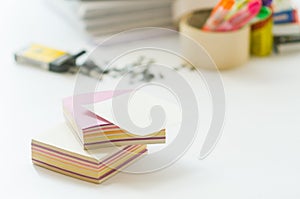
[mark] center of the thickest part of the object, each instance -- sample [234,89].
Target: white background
[257,157]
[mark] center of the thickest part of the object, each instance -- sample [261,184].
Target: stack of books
[98,18]
[92,148]
[286,27]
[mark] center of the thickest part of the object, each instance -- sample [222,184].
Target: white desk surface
[257,157]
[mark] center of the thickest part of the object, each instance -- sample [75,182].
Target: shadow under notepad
[180,172]
[45,173]
[142,181]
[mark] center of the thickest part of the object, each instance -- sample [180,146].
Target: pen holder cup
[226,49]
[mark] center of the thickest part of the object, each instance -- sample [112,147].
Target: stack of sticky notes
[97,132]
[58,150]
[92,145]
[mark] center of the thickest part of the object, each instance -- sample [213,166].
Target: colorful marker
[242,17]
[239,5]
[218,14]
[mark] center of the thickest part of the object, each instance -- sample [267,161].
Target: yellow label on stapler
[48,58]
[42,53]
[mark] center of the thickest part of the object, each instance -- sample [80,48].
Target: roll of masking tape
[226,49]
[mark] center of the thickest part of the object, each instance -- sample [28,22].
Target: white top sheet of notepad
[139,106]
[62,137]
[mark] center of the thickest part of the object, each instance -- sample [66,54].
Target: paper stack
[96,132]
[103,17]
[60,151]
[93,148]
